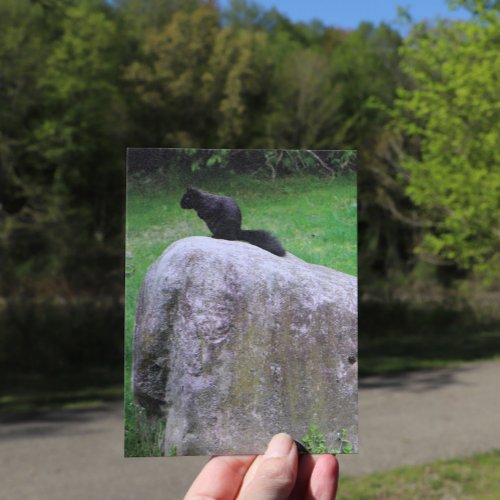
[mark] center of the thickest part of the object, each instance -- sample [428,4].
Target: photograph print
[241,301]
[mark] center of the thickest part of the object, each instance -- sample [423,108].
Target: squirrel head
[190,197]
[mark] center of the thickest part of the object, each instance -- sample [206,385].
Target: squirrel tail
[263,239]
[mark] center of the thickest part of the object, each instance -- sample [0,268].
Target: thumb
[275,473]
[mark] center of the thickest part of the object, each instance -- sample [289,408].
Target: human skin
[278,474]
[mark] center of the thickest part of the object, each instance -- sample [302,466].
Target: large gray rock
[233,344]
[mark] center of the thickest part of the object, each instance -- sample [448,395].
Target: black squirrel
[222,215]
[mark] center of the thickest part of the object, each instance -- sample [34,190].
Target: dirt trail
[404,420]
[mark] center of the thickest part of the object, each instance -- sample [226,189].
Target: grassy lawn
[49,398]
[34,394]
[399,337]
[315,219]
[472,478]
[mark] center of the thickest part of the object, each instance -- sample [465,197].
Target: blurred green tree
[22,52]
[201,82]
[141,16]
[366,70]
[366,66]
[451,111]
[62,128]
[62,137]
[25,247]
[83,128]
[303,101]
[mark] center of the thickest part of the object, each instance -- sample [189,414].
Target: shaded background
[81,81]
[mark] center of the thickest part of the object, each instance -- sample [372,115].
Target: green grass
[400,337]
[475,477]
[85,390]
[315,219]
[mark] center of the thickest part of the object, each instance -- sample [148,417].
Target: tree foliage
[61,146]
[81,81]
[204,77]
[451,110]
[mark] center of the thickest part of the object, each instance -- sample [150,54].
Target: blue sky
[349,13]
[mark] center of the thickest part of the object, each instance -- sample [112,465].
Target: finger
[251,472]
[221,478]
[276,472]
[306,466]
[324,479]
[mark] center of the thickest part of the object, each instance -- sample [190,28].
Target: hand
[278,474]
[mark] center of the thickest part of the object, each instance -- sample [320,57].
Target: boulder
[233,344]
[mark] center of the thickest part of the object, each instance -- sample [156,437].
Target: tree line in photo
[82,80]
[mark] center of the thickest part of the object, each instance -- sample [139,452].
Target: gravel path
[404,420]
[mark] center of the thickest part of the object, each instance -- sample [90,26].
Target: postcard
[241,301]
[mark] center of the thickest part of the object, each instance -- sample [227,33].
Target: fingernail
[279,446]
